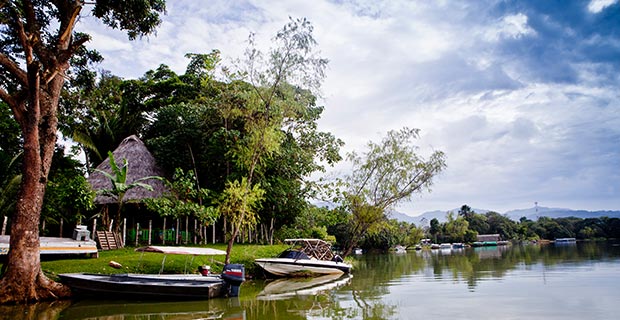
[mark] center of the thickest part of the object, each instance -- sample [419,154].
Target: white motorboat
[306,257]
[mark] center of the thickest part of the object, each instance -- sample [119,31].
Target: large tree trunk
[24,280]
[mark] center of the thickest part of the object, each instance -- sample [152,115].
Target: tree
[388,173]
[466,212]
[281,86]
[37,43]
[456,228]
[502,225]
[435,229]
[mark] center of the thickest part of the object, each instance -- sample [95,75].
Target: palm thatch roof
[140,162]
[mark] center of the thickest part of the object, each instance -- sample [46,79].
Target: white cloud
[511,26]
[510,138]
[596,6]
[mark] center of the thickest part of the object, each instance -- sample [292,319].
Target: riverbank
[137,262]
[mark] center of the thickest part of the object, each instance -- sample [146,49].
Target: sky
[522,96]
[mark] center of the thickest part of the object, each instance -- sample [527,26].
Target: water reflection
[226,309]
[437,284]
[286,288]
[38,311]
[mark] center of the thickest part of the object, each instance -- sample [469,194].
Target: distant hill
[535,213]
[426,217]
[532,213]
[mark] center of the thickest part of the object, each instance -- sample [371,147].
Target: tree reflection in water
[383,286]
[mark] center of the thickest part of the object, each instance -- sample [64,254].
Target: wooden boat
[306,257]
[161,286]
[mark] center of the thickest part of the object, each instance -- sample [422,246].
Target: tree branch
[14,69]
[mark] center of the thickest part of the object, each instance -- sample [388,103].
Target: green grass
[138,262]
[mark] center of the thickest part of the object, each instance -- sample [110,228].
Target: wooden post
[94,229]
[195,230]
[62,221]
[111,224]
[124,231]
[204,239]
[163,241]
[186,230]
[6,219]
[150,230]
[42,227]
[137,231]
[176,238]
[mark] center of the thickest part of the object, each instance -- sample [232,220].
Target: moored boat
[161,286]
[306,257]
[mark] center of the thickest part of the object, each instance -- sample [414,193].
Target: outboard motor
[233,275]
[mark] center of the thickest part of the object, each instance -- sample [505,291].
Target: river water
[573,281]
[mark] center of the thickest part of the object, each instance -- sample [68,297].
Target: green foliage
[184,199]
[137,17]
[68,194]
[388,173]
[10,144]
[455,229]
[313,222]
[239,203]
[10,157]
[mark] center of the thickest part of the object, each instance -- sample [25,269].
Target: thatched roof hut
[141,163]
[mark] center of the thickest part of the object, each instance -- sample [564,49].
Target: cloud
[520,95]
[596,6]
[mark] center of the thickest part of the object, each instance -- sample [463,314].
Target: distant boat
[161,286]
[400,249]
[458,245]
[435,246]
[565,241]
[445,246]
[306,257]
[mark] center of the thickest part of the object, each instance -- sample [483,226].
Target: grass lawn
[147,262]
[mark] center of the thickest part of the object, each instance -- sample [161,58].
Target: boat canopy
[315,248]
[183,250]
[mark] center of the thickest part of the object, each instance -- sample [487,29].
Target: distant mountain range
[531,213]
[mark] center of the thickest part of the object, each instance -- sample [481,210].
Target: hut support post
[94,229]
[186,239]
[163,241]
[124,231]
[176,238]
[6,219]
[137,231]
[111,224]
[150,230]
[271,233]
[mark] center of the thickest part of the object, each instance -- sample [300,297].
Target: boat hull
[290,267]
[141,286]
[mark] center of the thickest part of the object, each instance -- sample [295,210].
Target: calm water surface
[579,281]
